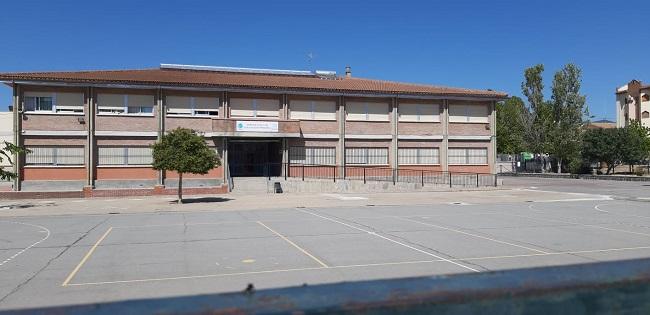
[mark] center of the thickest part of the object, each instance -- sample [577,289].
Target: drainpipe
[17,132]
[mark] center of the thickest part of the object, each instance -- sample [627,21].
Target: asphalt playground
[85,257]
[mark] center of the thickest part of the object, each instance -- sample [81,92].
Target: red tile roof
[233,80]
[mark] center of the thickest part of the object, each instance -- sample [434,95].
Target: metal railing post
[286,170]
[303,172]
[334,173]
[495,180]
[422,175]
[476,179]
[449,179]
[394,172]
[364,175]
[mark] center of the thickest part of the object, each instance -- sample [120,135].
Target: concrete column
[91,146]
[394,133]
[285,106]
[444,119]
[493,136]
[223,112]
[340,156]
[162,112]
[18,162]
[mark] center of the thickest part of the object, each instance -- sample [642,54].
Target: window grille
[124,156]
[368,156]
[415,156]
[55,156]
[312,155]
[468,156]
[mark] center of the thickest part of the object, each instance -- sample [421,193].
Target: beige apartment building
[633,102]
[93,129]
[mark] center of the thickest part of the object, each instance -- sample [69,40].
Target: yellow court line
[294,245]
[352,266]
[83,260]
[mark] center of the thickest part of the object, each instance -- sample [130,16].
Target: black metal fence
[366,174]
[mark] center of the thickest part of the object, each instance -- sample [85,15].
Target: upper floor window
[117,104]
[369,111]
[471,113]
[419,112]
[259,108]
[312,110]
[192,106]
[45,102]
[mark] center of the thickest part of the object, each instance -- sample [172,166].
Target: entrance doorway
[254,158]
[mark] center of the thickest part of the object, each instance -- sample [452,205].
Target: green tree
[6,152]
[183,151]
[511,126]
[535,122]
[635,143]
[567,110]
[602,145]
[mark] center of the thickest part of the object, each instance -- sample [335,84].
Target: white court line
[30,246]
[474,235]
[294,245]
[390,240]
[353,266]
[597,207]
[574,223]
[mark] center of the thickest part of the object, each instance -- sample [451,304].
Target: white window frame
[125,156]
[62,110]
[419,156]
[194,112]
[467,156]
[466,117]
[124,109]
[366,112]
[312,111]
[419,113]
[309,156]
[55,156]
[254,109]
[366,156]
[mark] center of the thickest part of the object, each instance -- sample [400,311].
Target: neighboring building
[601,124]
[6,132]
[633,102]
[94,128]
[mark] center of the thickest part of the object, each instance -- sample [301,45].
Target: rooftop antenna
[310,59]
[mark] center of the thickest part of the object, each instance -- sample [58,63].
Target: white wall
[6,130]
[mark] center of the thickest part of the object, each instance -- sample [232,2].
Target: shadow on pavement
[203,200]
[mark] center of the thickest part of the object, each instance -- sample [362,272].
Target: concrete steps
[250,185]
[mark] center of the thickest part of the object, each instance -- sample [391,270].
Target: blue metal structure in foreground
[614,287]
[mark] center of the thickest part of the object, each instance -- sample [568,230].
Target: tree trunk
[559,165]
[180,187]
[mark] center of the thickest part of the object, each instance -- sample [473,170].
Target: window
[471,156]
[468,113]
[414,156]
[124,156]
[117,104]
[246,107]
[54,102]
[645,115]
[369,156]
[419,112]
[192,106]
[317,110]
[312,155]
[55,156]
[367,111]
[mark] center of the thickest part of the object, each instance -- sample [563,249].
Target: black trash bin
[277,188]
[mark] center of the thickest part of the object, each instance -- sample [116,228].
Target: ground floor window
[124,156]
[470,156]
[41,155]
[413,156]
[312,155]
[368,156]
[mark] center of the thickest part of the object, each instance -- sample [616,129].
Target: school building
[91,130]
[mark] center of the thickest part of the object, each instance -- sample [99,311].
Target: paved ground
[57,252]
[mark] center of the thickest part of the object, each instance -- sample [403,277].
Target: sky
[472,44]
